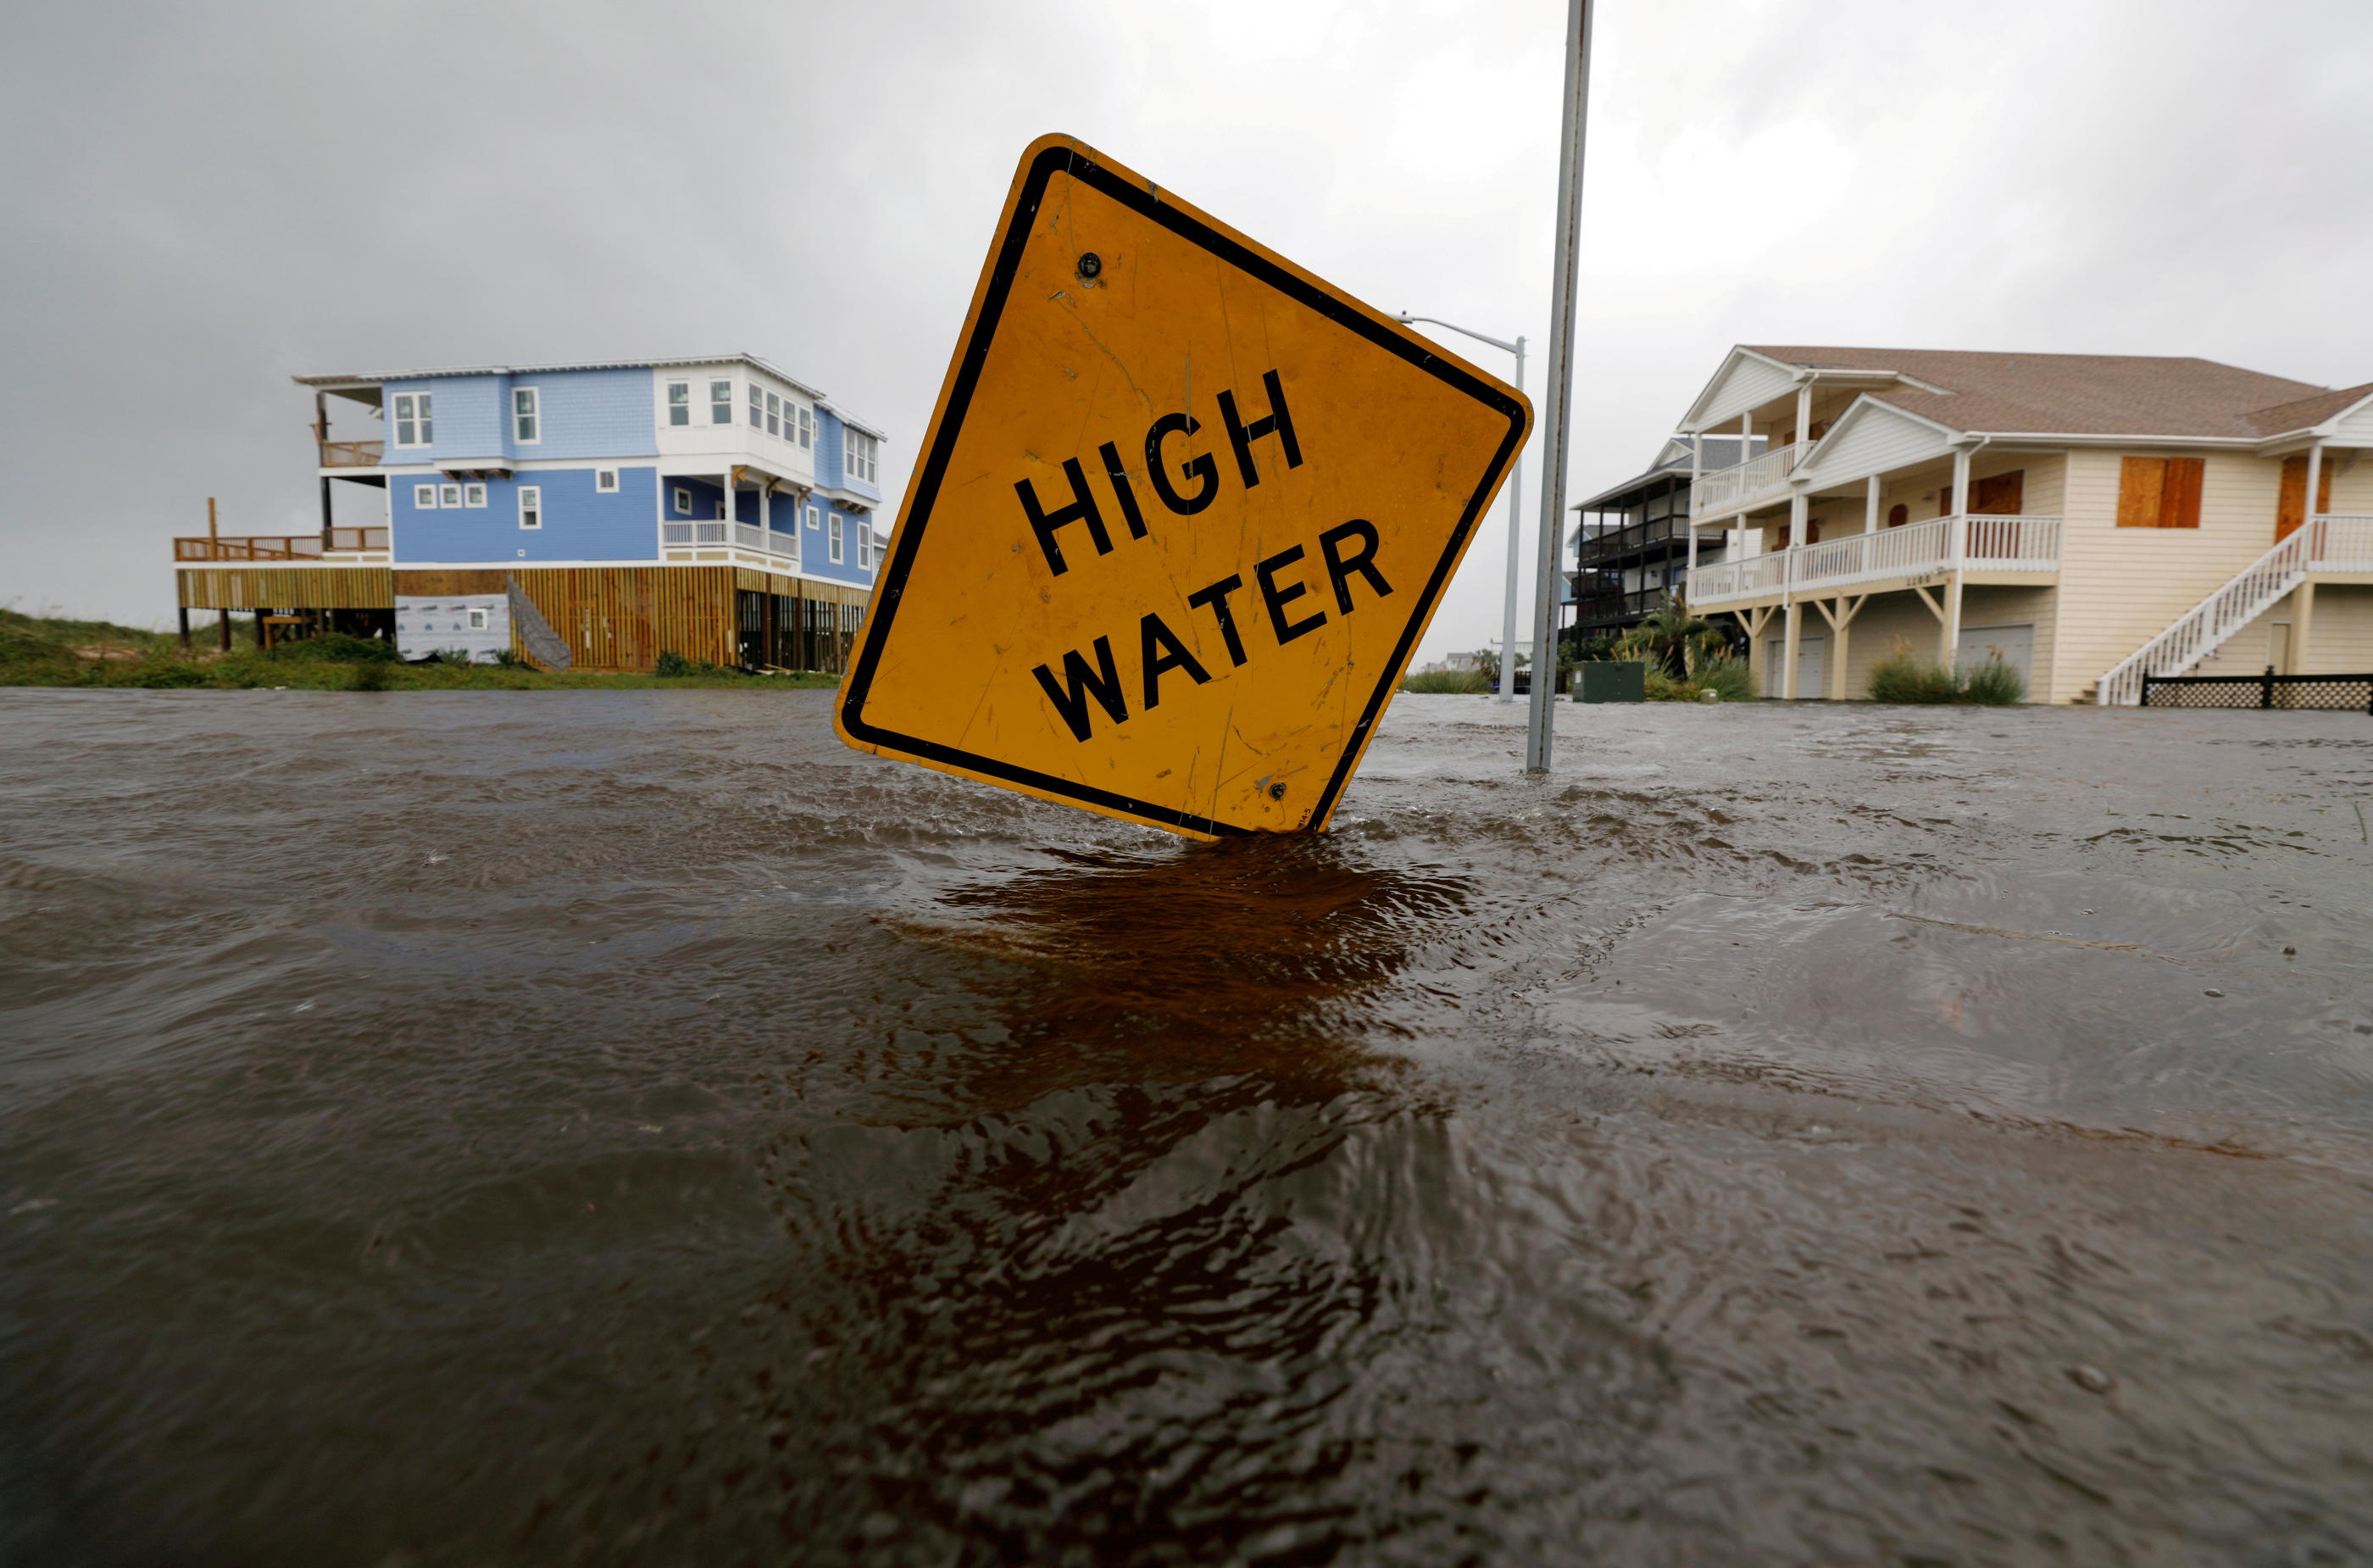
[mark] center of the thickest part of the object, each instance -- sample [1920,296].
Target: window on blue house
[774,415]
[837,530]
[413,425]
[861,450]
[474,494]
[679,403]
[449,496]
[605,480]
[683,498]
[815,516]
[531,506]
[864,544]
[523,415]
[424,498]
[807,427]
[721,402]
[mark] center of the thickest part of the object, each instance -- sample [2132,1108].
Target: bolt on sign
[1182,514]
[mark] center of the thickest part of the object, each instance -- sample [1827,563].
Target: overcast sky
[203,200]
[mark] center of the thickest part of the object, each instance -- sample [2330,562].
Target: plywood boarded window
[1999,494]
[2160,492]
[1898,515]
[2290,507]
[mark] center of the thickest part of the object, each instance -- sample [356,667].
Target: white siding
[1873,438]
[2357,429]
[2120,586]
[1746,382]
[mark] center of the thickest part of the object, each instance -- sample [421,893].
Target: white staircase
[2250,592]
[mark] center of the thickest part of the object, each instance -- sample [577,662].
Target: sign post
[1540,732]
[1182,514]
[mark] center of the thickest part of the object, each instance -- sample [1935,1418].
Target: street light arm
[1515,348]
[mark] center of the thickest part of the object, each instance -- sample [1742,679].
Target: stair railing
[2201,629]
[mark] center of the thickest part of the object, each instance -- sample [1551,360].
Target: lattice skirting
[2258,691]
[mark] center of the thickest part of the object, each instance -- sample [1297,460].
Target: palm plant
[1670,635]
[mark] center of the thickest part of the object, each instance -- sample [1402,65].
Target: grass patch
[39,651]
[1467,682]
[1907,677]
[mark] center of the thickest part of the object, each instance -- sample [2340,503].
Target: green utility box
[1600,680]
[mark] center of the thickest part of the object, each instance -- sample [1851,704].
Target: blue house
[593,515]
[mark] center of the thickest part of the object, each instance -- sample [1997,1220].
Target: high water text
[1346,552]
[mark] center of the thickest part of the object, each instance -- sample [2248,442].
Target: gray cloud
[203,199]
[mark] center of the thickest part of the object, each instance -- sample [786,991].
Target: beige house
[2088,517]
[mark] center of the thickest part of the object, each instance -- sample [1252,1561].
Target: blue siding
[468,418]
[584,413]
[815,547]
[581,523]
[704,496]
[591,414]
[829,431]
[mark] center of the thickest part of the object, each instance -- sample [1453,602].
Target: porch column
[2308,507]
[1788,633]
[1960,485]
[1693,547]
[1839,624]
[1870,505]
[2302,612]
[1805,412]
[1800,510]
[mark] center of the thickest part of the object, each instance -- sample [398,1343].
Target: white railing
[772,540]
[2246,595]
[1988,544]
[694,533]
[1733,486]
[2342,544]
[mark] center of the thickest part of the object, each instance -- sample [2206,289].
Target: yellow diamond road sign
[1182,514]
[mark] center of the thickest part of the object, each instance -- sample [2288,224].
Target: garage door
[1812,666]
[2015,645]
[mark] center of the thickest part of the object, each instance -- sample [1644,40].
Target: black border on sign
[925,492]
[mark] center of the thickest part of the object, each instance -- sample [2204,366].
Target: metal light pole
[1538,736]
[1515,507]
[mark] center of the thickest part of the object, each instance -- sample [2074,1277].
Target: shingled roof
[2083,394]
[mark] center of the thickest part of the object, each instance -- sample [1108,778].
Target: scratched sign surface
[1183,512]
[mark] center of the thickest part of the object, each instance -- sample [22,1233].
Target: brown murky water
[628,1128]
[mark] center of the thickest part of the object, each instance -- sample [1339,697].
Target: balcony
[768,540]
[1592,549]
[1729,489]
[1596,610]
[345,546]
[1965,544]
[353,455]
[2341,542]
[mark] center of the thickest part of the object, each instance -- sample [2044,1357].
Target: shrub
[1460,681]
[341,648]
[671,662]
[165,670]
[1907,677]
[1662,687]
[1997,682]
[370,675]
[1729,676]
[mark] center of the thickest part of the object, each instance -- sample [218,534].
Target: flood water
[629,1128]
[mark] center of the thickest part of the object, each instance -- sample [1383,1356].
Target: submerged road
[630,1127]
